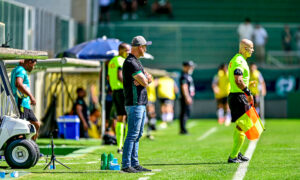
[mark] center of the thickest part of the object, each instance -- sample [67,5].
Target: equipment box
[68,127]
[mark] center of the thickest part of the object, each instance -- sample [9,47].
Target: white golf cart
[15,133]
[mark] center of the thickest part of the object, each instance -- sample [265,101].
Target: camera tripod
[53,158]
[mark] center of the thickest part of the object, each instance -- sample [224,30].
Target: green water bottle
[103,161]
[109,160]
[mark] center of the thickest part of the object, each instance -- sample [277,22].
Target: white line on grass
[242,169]
[191,124]
[207,133]
[156,170]
[149,174]
[144,178]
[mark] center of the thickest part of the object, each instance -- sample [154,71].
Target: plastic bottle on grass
[109,160]
[14,174]
[2,174]
[115,161]
[103,161]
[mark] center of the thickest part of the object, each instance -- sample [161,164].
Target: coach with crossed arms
[135,81]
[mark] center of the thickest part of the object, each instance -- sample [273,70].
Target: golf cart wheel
[37,149]
[20,154]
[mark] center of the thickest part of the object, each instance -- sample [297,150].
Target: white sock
[169,117]
[153,121]
[164,117]
[220,113]
[228,117]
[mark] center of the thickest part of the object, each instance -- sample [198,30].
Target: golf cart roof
[56,63]
[9,53]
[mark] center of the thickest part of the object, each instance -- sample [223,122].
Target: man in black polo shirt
[135,81]
[81,109]
[187,92]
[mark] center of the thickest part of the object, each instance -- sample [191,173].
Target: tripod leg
[48,164]
[62,164]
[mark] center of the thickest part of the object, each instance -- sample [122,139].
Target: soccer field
[201,155]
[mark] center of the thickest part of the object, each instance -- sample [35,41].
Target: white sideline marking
[242,169]
[207,133]
[144,178]
[156,170]
[191,124]
[149,174]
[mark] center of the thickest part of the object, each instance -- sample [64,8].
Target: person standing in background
[115,77]
[151,114]
[245,29]
[166,91]
[260,37]
[104,6]
[81,110]
[298,41]
[257,86]
[187,93]
[221,87]
[286,37]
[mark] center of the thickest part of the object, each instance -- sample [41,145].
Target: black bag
[109,140]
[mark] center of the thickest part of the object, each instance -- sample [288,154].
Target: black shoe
[235,160]
[120,151]
[150,137]
[130,170]
[242,157]
[184,132]
[141,168]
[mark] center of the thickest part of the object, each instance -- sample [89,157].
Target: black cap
[189,63]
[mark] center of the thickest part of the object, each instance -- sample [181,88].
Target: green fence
[223,10]
[174,42]
[13,17]
[36,29]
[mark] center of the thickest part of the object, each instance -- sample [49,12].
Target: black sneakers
[242,157]
[130,170]
[141,168]
[235,160]
[120,151]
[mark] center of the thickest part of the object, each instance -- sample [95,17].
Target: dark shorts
[222,100]
[28,115]
[119,101]
[238,105]
[166,101]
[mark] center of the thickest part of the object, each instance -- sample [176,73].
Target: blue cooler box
[68,127]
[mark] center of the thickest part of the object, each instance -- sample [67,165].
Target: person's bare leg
[37,127]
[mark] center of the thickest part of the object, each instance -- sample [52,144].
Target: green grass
[277,155]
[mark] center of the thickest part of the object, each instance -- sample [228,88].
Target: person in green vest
[116,83]
[240,97]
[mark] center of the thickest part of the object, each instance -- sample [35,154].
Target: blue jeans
[136,116]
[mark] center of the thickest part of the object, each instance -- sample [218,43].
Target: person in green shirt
[240,97]
[116,83]
[20,85]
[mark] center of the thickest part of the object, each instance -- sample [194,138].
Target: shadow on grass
[187,164]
